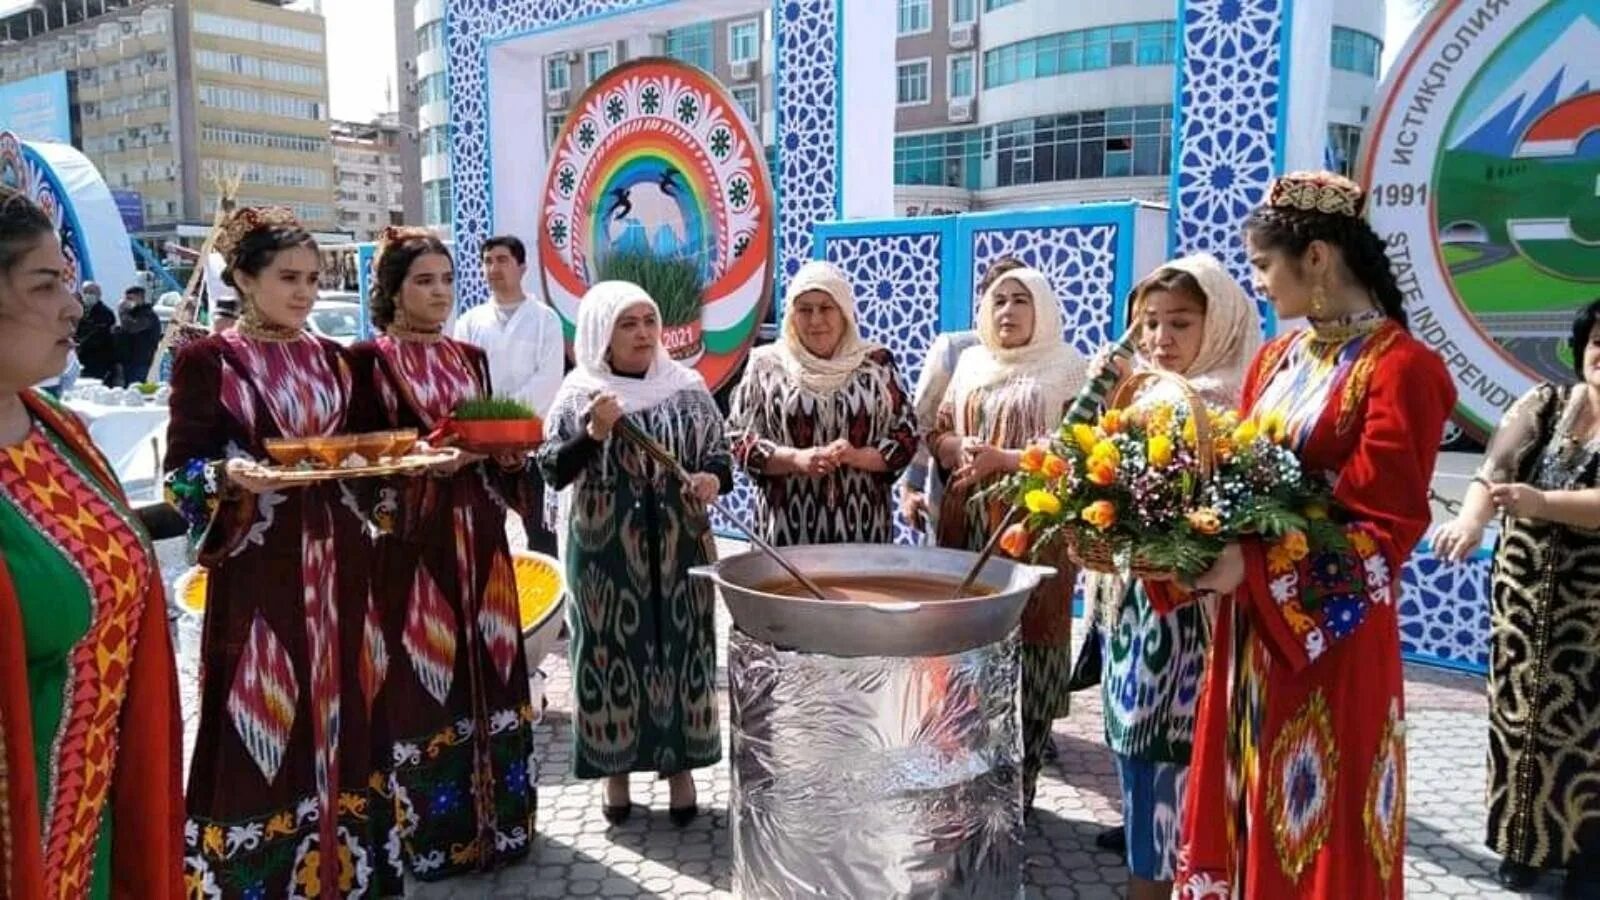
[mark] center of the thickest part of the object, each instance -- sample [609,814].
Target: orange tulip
[1102,471]
[1111,422]
[1032,459]
[1054,466]
[1205,521]
[1014,542]
[1102,514]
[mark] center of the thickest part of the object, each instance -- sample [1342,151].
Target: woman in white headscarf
[1192,319]
[821,421]
[642,650]
[1008,392]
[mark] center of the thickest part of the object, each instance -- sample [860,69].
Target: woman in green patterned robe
[643,649]
[1542,474]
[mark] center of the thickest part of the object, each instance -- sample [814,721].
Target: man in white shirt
[526,349]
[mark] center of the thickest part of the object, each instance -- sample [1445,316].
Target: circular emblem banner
[22,171]
[657,178]
[1483,163]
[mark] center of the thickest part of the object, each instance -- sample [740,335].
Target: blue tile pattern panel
[1231,104]
[1444,610]
[1079,260]
[807,90]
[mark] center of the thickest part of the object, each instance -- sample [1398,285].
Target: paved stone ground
[577,854]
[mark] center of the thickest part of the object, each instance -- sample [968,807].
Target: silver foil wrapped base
[875,777]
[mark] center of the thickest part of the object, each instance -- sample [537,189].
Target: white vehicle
[337,320]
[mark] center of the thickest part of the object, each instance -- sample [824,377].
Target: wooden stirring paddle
[662,455]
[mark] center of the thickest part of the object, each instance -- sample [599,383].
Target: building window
[744,41]
[260,102]
[1354,51]
[430,36]
[597,63]
[963,12]
[963,69]
[749,100]
[552,128]
[1141,44]
[436,202]
[557,74]
[1344,142]
[246,30]
[915,17]
[1111,143]
[433,89]
[992,5]
[911,83]
[691,45]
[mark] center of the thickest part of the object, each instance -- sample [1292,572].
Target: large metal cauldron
[911,626]
[876,747]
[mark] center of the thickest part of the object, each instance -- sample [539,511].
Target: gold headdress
[1322,192]
[247,219]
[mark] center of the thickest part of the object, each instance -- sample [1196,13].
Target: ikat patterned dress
[457,701]
[1297,783]
[1544,677]
[643,650]
[287,793]
[771,410]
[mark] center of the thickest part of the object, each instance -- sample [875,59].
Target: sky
[361,51]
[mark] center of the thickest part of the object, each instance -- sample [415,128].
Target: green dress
[55,606]
[643,647]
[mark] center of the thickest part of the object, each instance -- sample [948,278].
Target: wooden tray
[283,476]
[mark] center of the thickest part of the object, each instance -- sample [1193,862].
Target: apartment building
[167,96]
[1007,103]
[368,175]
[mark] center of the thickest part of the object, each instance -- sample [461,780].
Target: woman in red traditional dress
[284,796]
[90,801]
[457,697]
[1297,786]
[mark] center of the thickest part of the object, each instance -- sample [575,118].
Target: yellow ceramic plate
[538,589]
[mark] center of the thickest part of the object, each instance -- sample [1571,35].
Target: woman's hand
[914,508]
[1521,500]
[246,475]
[1456,540]
[511,461]
[602,414]
[983,462]
[1225,575]
[458,459]
[816,462]
[703,487]
[863,459]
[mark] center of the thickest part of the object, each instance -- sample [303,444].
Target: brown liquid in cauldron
[876,588]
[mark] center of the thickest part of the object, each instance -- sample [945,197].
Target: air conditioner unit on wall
[960,110]
[961,36]
[743,70]
[556,99]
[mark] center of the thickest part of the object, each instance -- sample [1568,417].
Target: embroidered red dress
[89,727]
[457,703]
[292,654]
[1298,780]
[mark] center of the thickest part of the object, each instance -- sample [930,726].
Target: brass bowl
[401,440]
[332,451]
[288,451]
[374,445]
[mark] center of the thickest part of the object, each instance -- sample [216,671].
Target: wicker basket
[1098,554]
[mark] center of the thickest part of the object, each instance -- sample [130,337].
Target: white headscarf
[817,374]
[598,312]
[1057,370]
[1232,331]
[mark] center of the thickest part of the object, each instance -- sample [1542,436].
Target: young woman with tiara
[285,798]
[1297,783]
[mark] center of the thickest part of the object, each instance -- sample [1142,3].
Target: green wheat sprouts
[493,409]
[673,281]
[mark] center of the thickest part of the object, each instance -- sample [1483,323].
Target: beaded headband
[1322,192]
[241,223]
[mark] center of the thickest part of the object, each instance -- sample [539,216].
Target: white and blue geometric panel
[806,85]
[1444,610]
[1231,58]
[1081,262]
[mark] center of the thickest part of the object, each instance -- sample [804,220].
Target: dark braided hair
[398,249]
[22,224]
[1292,230]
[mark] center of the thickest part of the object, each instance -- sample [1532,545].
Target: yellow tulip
[1246,433]
[1085,436]
[1159,449]
[1042,503]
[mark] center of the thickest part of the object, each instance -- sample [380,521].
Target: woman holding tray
[822,422]
[1297,785]
[643,650]
[1008,392]
[284,797]
[456,698]
[1192,319]
[90,749]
